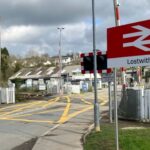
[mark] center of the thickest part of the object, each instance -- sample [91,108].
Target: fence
[52,89]
[135,104]
[67,89]
[7,95]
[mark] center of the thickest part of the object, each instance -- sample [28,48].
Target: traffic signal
[88,62]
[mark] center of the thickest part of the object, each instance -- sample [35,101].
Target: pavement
[52,124]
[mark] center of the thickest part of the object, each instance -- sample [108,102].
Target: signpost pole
[117,21]
[96,104]
[0,52]
[110,102]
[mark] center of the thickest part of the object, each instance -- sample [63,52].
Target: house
[47,63]
[36,77]
[42,78]
[66,60]
[74,75]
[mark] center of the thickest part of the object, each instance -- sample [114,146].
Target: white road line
[50,130]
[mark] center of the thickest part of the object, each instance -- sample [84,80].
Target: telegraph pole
[117,21]
[60,60]
[96,104]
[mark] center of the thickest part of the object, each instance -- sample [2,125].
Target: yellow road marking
[20,105]
[28,106]
[43,112]
[79,112]
[26,120]
[22,108]
[15,106]
[103,103]
[51,102]
[86,102]
[64,117]
[66,111]
[75,114]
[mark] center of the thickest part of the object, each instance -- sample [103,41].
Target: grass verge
[129,139]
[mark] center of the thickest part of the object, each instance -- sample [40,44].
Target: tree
[4,63]
[18,66]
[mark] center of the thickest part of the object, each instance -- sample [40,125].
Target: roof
[34,73]
[68,69]
[72,69]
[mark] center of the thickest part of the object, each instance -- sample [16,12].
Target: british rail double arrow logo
[142,41]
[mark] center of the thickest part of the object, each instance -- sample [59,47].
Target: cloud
[33,24]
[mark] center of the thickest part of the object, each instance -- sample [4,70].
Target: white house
[66,60]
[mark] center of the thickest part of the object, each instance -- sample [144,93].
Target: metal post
[110,102]
[60,61]
[117,21]
[124,78]
[96,104]
[0,52]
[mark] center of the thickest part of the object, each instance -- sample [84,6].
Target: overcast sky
[32,25]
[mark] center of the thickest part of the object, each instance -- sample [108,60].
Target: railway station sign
[129,45]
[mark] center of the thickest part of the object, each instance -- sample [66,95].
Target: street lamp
[60,59]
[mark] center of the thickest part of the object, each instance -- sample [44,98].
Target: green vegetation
[135,139]
[8,67]
[10,64]
[4,63]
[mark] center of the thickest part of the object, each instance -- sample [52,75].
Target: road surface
[57,123]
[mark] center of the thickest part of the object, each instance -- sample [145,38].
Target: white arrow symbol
[140,42]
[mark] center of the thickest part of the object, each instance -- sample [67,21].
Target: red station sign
[129,45]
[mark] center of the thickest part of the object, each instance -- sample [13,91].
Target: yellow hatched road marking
[86,102]
[51,102]
[29,105]
[66,111]
[26,120]
[43,112]
[19,109]
[103,103]
[15,106]
[64,117]
[34,104]
[75,114]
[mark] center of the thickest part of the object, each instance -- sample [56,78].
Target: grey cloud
[42,12]
[56,12]
[47,15]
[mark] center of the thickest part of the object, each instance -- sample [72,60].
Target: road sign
[129,45]
[85,87]
[87,63]
[107,77]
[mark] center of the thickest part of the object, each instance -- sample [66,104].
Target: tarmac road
[58,123]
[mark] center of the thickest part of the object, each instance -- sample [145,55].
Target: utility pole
[60,60]
[117,21]
[96,104]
